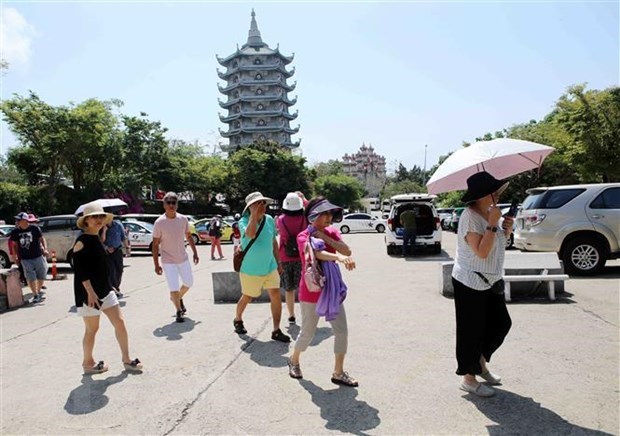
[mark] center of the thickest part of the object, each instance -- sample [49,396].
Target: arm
[276,254]
[340,246]
[92,299]
[257,211]
[347,261]
[156,242]
[44,246]
[190,241]
[483,244]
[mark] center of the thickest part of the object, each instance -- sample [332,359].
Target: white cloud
[16,37]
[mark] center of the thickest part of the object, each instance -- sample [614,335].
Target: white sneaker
[478,389]
[491,378]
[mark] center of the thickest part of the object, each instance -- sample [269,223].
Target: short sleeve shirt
[171,232]
[259,260]
[467,261]
[28,241]
[304,294]
[295,225]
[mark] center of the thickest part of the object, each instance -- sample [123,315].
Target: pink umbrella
[503,158]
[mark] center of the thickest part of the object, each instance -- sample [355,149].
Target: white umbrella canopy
[502,158]
[110,205]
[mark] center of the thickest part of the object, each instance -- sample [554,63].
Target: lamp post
[424,176]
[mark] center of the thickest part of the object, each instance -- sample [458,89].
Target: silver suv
[579,222]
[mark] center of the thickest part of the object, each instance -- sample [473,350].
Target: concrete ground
[560,362]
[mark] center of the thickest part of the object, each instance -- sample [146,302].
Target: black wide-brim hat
[482,184]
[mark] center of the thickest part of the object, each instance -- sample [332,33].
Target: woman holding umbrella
[482,320]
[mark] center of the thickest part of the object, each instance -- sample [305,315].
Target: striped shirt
[467,262]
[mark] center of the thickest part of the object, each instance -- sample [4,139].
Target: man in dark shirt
[30,252]
[114,239]
[407,219]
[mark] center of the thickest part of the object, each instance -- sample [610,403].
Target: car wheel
[436,249]
[196,239]
[381,228]
[391,249]
[344,229]
[5,262]
[583,256]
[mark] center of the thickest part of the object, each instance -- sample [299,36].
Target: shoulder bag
[239,253]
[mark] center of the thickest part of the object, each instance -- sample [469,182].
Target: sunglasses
[171,203]
[99,216]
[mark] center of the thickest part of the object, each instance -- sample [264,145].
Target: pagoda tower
[256,91]
[368,167]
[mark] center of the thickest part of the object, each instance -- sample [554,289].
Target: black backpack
[290,248]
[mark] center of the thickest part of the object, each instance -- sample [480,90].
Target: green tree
[330,168]
[345,191]
[395,187]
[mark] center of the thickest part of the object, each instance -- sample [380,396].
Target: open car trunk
[425,221]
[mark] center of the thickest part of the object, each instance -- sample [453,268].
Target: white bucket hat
[93,208]
[253,198]
[292,202]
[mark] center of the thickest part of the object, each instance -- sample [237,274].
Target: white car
[361,222]
[427,222]
[140,234]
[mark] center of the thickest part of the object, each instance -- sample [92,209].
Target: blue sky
[398,75]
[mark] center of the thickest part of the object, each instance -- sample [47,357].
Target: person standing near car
[170,232]
[289,225]
[408,220]
[114,239]
[215,234]
[482,320]
[261,266]
[30,250]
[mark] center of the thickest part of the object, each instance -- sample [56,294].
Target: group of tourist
[307,245]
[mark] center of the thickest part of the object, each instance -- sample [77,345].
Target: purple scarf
[335,291]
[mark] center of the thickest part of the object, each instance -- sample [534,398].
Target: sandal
[134,365]
[294,370]
[97,369]
[344,379]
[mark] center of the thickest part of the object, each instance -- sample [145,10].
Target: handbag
[497,287]
[290,248]
[313,274]
[240,254]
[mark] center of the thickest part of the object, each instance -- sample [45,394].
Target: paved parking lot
[560,362]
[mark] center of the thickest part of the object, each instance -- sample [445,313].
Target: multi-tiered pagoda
[256,91]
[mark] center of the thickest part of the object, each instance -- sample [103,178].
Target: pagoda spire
[254,38]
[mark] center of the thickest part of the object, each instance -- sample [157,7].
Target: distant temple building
[368,167]
[256,91]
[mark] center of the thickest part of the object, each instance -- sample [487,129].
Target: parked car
[579,222]
[140,234]
[454,220]
[445,215]
[361,222]
[202,231]
[5,229]
[427,223]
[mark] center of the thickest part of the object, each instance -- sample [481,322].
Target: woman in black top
[92,291]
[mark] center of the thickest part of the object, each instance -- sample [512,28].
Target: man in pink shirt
[170,232]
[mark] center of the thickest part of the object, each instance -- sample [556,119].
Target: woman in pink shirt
[320,213]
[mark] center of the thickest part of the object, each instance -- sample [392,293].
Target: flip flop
[134,365]
[97,369]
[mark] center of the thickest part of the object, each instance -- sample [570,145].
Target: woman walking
[329,249]
[482,320]
[215,232]
[289,225]
[92,291]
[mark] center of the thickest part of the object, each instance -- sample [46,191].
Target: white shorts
[109,301]
[173,271]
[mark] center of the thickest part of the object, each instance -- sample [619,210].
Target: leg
[212,248]
[241,305]
[115,316]
[470,307]
[498,325]
[219,248]
[91,326]
[117,261]
[341,340]
[309,321]
[289,297]
[276,307]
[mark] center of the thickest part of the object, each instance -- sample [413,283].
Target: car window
[551,199]
[57,224]
[608,199]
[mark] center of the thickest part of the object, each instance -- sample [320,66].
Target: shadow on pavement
[341,410]
[174,331]
[271,354]
[90,395]
[515,414]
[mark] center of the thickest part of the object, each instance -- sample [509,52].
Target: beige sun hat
[93,208]
[252,198]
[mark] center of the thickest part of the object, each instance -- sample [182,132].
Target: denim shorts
[34,269]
